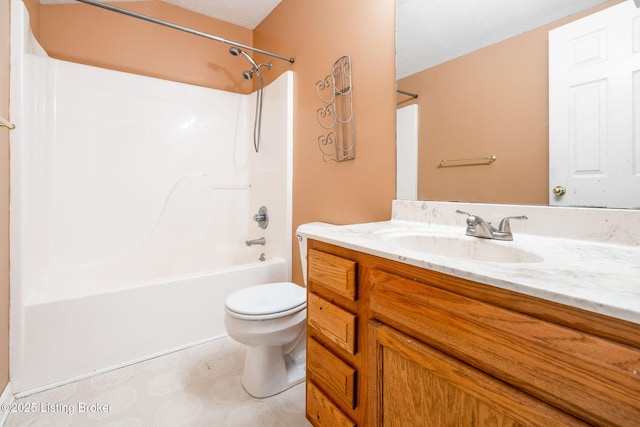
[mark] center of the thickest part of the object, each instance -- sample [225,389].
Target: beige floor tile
[198,386]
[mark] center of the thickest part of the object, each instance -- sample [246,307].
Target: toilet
[270,319]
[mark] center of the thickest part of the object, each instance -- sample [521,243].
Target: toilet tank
[302,243]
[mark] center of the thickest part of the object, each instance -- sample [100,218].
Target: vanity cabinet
[436,350]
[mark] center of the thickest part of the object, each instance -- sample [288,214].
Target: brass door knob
[559,190]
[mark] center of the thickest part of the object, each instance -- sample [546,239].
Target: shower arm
[181,28]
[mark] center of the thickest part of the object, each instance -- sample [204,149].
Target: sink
[464,247]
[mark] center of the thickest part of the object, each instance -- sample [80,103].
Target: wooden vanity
[397,345]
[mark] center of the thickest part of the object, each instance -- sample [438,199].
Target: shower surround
[132,198]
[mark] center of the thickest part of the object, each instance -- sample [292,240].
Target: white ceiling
[246,13]
[429,32]
[435,31]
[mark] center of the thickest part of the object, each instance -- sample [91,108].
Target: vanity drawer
[336,325]
[332,273]
[589,377]
[332,374]
[321,411]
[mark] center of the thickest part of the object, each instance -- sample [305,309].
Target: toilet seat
[268,301]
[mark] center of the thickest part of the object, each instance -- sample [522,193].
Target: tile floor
[198,386]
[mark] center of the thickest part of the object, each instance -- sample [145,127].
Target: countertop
[600,277]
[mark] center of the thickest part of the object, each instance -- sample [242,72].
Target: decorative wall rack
[335,115]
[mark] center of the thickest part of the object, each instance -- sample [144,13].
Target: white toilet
[270,320]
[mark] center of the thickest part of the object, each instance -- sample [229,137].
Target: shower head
[236,51]
[248,74]
[255,70]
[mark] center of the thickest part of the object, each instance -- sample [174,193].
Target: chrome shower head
[248,74]
[236,51]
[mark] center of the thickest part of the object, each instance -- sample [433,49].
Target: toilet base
[268,372]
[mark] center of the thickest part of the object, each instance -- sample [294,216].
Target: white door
[594,110]
[407,153]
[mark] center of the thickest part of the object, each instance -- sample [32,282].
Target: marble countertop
[595,276]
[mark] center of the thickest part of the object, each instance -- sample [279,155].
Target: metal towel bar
[472,161]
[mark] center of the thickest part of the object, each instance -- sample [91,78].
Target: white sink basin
[465,247]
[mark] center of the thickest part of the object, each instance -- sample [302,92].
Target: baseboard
[5,399]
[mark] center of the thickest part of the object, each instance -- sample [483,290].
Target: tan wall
[317,34]
[4,194]
[490,102]
[94,36]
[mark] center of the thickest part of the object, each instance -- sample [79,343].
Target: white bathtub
[69,337]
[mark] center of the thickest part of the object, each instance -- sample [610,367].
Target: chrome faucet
[260,241]
[478,227]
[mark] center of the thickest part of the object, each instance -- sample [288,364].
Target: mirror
[480,73]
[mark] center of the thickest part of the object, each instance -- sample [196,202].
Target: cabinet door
[415,385]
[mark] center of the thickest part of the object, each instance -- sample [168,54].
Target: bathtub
[81,333]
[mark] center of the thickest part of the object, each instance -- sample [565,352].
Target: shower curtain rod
[181,28]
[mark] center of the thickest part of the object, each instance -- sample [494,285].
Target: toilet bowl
[270,319]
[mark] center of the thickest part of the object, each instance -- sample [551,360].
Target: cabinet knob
[559,190]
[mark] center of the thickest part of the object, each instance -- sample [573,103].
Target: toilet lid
[267,299]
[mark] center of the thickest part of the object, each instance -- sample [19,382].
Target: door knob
[559,190]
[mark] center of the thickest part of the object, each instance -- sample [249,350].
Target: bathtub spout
[260,241]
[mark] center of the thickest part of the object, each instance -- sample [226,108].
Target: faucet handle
[504,226]
[478,227]
[470,217]
[262,217]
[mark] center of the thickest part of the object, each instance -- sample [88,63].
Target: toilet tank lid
[267,298]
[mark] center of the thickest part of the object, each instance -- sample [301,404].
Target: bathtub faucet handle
[262,218]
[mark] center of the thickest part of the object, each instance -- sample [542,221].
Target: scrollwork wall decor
[335,116]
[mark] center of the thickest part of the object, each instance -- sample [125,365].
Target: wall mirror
[480,71]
